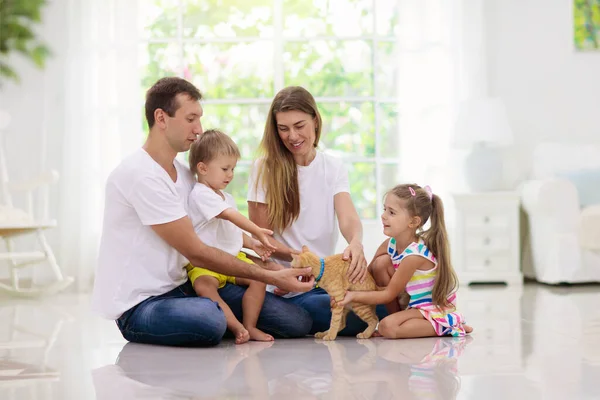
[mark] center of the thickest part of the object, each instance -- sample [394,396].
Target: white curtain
[441,61]
[102,122]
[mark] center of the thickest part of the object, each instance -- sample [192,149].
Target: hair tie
[412,191]
[428,191]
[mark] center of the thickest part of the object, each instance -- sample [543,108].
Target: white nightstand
[486,245]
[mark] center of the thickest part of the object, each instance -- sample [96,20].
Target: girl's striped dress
[419,287]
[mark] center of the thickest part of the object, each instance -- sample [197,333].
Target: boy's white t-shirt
[204,206]
[134,263]
[316,226]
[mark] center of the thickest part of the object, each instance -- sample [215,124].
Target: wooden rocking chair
[15,221]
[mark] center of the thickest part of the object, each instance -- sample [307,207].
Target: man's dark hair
[163,95]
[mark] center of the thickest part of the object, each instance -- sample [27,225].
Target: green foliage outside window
[227,48]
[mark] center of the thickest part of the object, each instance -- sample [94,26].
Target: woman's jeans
[181,318]
[317,303]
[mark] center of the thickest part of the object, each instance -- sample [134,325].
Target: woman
[301,193]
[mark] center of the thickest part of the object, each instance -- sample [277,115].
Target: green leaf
[39,55]
[17,20]
[8,72]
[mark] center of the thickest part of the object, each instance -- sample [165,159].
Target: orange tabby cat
[334,280]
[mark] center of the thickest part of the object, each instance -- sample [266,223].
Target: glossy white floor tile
[537,342]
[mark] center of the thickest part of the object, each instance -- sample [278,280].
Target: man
[147,236]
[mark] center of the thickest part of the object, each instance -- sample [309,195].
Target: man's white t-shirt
[316,226]
[134,263]
[204,206]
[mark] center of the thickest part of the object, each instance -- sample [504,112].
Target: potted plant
[17,21]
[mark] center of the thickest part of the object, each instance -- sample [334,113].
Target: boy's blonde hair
[211,144]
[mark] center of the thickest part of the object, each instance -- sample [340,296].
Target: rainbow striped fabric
[436,375]
[446,322]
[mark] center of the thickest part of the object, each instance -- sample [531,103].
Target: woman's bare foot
[259,336]
[241,334]
[468,328]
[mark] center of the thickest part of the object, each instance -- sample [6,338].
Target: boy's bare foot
[259,336]
[468,328]
[241,334]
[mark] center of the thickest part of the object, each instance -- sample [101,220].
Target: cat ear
[305,249]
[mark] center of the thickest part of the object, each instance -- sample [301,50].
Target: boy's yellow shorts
[195,272]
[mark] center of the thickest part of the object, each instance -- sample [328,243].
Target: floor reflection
[308,369]
[27,337]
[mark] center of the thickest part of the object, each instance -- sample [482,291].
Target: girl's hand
[358,264]
[348,298]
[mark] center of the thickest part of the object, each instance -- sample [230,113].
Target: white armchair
[557,244]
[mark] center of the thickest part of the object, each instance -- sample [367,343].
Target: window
[240,53]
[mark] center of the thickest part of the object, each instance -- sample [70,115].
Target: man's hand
[287,279]
[358,264]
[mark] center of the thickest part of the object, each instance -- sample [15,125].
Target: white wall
[552,93]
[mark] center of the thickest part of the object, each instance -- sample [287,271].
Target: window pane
[229,18]
[158,18]
[327,17]
[238,187]
[363,189]
[389,176]
[226,70]
[389,135]
[386,73]
[158,60]
[330,68]
[244,123]
[348,128]
[386,12]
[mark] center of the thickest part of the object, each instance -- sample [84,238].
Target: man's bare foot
[468,328]
[259,336]
[241,335]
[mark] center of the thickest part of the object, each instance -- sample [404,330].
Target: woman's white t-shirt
[134,263]
[204,206]
[316,226]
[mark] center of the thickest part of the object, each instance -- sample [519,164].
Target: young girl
[421,266]
[213,157]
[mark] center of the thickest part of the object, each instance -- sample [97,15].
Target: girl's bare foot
[241,334]
[259,336]
[468,328]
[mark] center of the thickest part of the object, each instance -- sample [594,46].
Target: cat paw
[363,335]
[320,335]
[329,337]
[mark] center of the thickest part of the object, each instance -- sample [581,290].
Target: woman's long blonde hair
[278,172]
[435,238]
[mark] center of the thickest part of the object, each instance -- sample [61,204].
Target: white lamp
[483,127]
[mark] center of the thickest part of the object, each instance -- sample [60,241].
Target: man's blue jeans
[181,318]
[317,303]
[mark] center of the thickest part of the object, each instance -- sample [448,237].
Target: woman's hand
[358,264]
